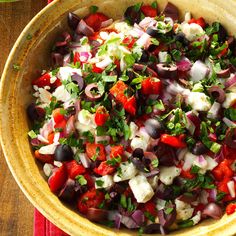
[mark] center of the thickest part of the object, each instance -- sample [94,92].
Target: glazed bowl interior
[34,55]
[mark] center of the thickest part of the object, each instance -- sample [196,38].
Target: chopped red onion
[35,142]
[129,222]
[147,22]
[85,56]
[77,107]
[144,41]
[212,137]
[169,20]
[229,123]
[91,96]
[201,161]
[198,71]
[118,221]
[108,149]
[224,73]
[138,217]
[104,63]
[184,64]
[102,138]
[56,138]
[213,210]
[106,23]
[213,113]
[152,173]
[203,198]
[83,28]
[84,160]
[66,59]
[70,126]
[230,82]
[47,129]
[181,153]
[212,194]
[190,126]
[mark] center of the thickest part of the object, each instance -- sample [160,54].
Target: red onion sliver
[229,123]
[106,23]
[184,64]
[230,82]
[84,160]
[129,222]
[138,217]
[198,71]
[212,194]
[102,138]
[70,126]
[213,210]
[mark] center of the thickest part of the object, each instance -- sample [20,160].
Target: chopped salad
[135,121]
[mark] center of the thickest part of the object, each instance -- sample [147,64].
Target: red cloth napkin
[43,227]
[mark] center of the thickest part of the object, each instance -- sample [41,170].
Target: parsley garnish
[81,180]
[99,182]
[93,9]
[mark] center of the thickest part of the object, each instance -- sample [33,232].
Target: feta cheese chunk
[192,31]
[133,130]
[61,94]
[127,171]
[48,149]
[167,174]
[105,181]
[231,188]
[141,189]
[199,101]
[184,210]
[85,117]
[44,95]
[229,100]
[65,72]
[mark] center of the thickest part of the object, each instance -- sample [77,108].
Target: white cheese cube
[85,117]
[106,182]
[192,31]
[65,72]
[167,174]
[44,95]
[48,149]
[184,210]
[199,101]
[229,100]
[127,171]
[139,143]
[61,94]
[141,189]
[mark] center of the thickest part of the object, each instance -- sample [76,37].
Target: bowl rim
[7,66]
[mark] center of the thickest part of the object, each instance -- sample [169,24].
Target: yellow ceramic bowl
[33,55]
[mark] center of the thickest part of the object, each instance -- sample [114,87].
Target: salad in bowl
[135,120]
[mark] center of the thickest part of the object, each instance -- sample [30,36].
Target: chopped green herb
[29,36]
[93,9]
[16,67]
[123,201]
[81,180]
[155,163]
[32,134]
[169,210]
[89,136]
[99,182]
[149,216]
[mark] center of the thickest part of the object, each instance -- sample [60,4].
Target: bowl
[31,55]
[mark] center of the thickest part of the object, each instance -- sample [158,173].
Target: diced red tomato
[95,20]
[151,208]
[174,141]
[231,208]
[118,91]
[104,169]
[61,125]
[129,41]
[223,52]
[148,10]
[57,115]
[117,151]
[97,69]
[44,80]
[45,158]
[223,170]
[101,116]
[200,21]
[76,57]
[151,86]
[57,179]
[92,198]
[187,174]
[74,169]
[130,106]
[90,181]
[96,150]
[229,153]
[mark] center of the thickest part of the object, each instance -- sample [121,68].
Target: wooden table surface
[16,212]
